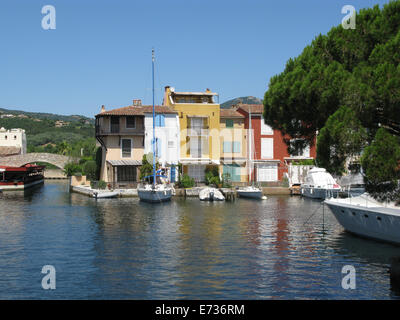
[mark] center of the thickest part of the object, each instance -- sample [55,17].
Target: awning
[201,161]
[239,161]
[118,163]
[265,161]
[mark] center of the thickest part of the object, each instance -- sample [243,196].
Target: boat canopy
[319,177]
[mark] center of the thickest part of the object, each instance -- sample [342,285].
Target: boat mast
[250,145]
[154,124]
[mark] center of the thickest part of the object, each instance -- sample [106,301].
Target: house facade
[122,135]
[233,146]
[271,159]
[12,142]
[167,133]
[199,116]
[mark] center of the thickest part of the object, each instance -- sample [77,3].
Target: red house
[269,151]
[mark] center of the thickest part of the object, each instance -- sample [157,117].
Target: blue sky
[100,52]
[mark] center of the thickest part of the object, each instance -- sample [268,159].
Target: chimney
[167,92]
[103,109]
[137,102]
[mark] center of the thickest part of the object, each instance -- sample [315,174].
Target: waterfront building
[270,154]
[199,117]
[12,142]
[233,137]
[121,134]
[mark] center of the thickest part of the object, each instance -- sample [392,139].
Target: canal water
[282,248]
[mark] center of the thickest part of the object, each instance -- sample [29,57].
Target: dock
[229,194]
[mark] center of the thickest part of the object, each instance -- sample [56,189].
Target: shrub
[72,169]
[186,182]
[89,169]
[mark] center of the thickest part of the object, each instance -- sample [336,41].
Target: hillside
[43,115]
[52,133]
[245,100]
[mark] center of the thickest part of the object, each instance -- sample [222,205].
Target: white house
[167,146]
[12,142]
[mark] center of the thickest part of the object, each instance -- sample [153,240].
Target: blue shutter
[236,147]
[160,120]
[227,147]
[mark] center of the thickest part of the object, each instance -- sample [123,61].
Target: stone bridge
[17,161]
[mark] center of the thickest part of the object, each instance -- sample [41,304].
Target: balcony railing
[197,132]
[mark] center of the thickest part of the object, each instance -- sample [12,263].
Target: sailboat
[250,191]
[154,192]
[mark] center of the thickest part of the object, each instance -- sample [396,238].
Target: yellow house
[233,145]
[199,117]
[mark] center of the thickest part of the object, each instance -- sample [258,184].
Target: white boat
[211,194]
[367,217]
[250,192]
[104,194]
[319,184]
[157,193]
[154,192]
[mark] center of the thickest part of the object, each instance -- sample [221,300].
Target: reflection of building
[121,133]
[12,142]
[198,115]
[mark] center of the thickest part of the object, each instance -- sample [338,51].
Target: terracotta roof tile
[255,108]
[230,113]
[136,111]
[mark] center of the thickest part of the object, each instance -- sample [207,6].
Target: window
[126,145]
[229,123]
[197,172]
[157,148]
[231,147]
[160,120]
[266,129]
[267,148]
[114,124]
[300,153]
[126,173]
[130,122]
[236,147]
[228,147]
[267,172]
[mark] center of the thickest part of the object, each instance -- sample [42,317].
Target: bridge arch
[19,160]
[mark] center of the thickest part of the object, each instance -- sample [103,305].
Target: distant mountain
[244,100]
[42,115]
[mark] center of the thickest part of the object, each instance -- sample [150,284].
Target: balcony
[197,132]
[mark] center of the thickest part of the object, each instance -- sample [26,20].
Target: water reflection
[186,249]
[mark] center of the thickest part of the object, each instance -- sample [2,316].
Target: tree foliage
[342,82]
[357,68]
[380,163]
[342,137]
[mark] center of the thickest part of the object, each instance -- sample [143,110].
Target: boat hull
[250,194]
[154,196]
[319,193]
[20,186]
[372,223]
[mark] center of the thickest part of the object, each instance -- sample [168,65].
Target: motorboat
[319,184]
[104,194]
[367,217]
[20,178]
[211,194]
[250,192]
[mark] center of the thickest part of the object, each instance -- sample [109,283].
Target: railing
[197,132]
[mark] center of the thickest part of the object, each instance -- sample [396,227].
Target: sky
[100,52]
